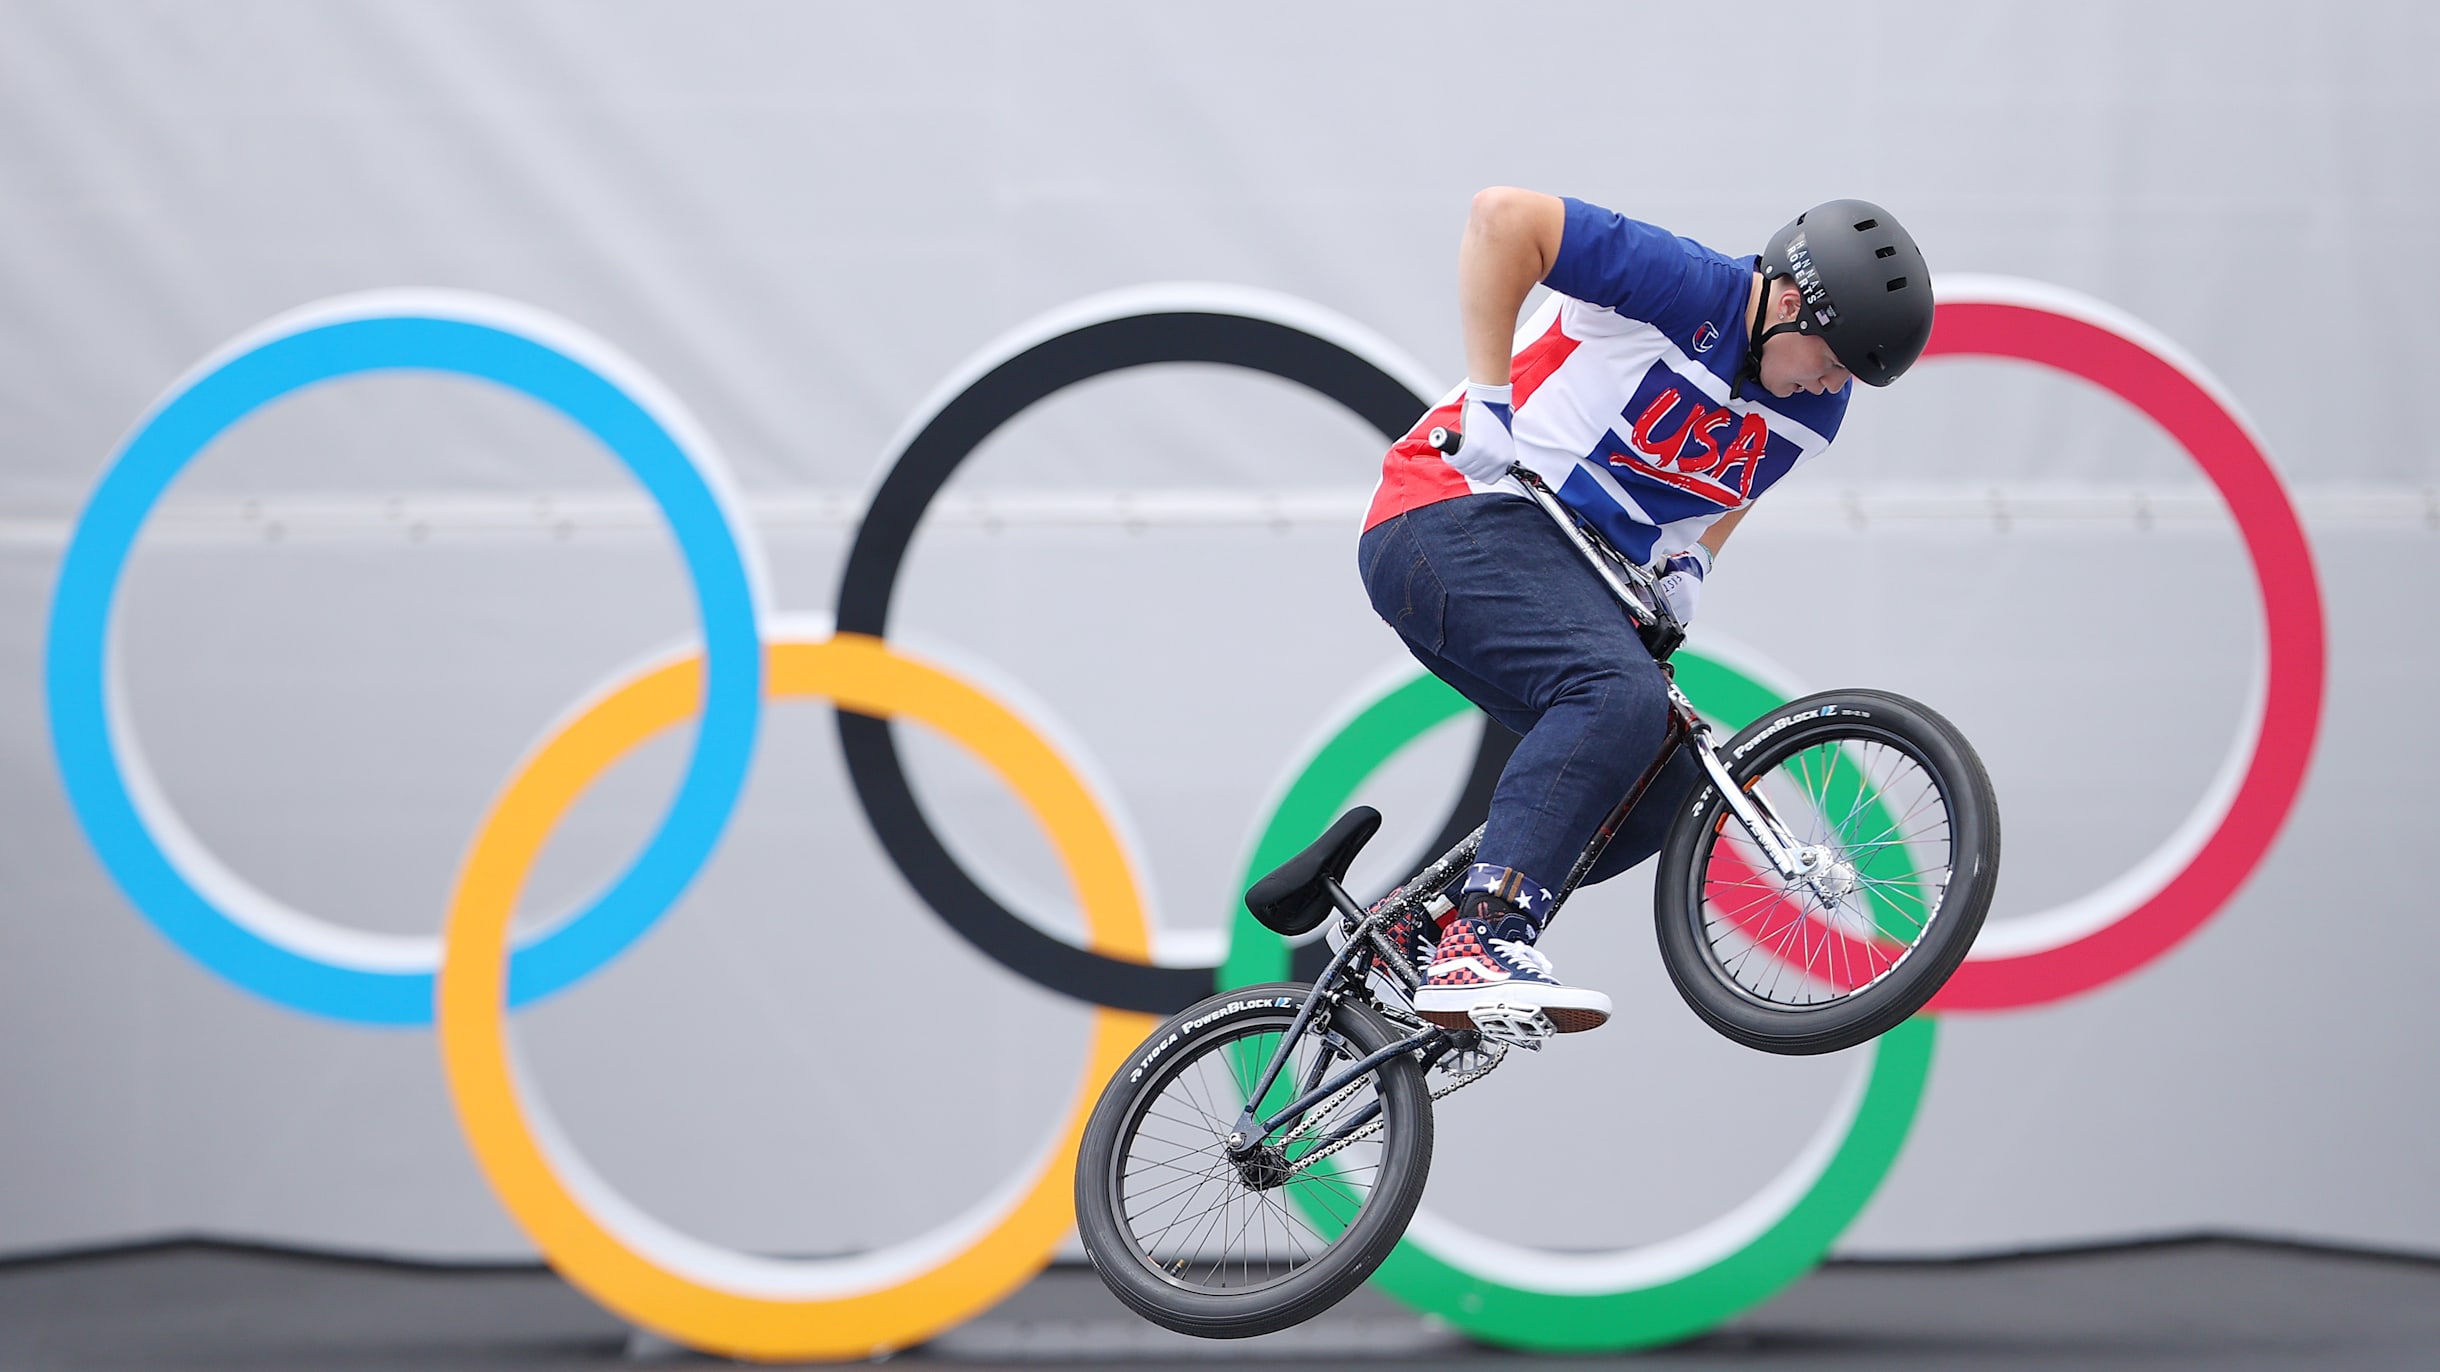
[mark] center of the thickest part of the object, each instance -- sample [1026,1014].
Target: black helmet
[1867,293]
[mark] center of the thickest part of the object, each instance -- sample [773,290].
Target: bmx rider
[1661,390]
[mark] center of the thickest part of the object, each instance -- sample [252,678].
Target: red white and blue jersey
[1624,398]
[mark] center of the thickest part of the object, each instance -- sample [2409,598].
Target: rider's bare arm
[1721,528]
[1512,238]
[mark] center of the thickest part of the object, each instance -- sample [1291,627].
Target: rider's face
[1794,362]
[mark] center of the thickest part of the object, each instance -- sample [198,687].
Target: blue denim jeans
[1493,599]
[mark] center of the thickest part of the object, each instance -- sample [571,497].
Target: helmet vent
[1897,283]
[1889,251]
[1872,359]
[1863,224]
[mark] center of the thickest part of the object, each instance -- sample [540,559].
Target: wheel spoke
[1876,834]
[1185,1206]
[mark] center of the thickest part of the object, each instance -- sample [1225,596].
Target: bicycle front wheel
[1898,833]
[1224,1246]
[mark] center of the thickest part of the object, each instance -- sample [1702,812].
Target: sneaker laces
[1525,954]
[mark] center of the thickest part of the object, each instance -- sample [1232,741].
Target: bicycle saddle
[1295,898]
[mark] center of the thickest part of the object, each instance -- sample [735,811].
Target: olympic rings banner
[748,652]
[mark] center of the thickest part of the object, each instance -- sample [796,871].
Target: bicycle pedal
[1525,1026]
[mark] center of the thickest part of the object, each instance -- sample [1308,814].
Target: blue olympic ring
[463,339]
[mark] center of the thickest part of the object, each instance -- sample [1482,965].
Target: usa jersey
[1624,399]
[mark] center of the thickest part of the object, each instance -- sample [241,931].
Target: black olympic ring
[919,471]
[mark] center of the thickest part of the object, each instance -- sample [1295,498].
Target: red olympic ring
[2197,872]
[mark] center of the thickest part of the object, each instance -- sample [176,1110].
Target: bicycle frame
[1638,593]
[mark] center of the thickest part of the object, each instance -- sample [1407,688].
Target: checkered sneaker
[1473,968]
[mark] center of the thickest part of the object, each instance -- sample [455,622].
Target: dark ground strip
[2206,1304]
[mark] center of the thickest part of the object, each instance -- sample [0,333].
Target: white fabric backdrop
[801,217]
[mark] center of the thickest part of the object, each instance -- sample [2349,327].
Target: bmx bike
[1265,1148]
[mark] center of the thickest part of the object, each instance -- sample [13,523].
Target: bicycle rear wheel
[1897,822]
[1228,1248]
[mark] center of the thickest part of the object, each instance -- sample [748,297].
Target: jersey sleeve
[1622,264]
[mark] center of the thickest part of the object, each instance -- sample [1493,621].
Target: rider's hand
[1490,449]
[1682,582]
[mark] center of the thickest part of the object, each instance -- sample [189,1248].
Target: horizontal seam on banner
[415,517]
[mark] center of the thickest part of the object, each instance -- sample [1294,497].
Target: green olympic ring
[1629,1298]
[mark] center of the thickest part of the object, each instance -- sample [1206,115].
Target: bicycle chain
[1492,1053]
[1495,1054]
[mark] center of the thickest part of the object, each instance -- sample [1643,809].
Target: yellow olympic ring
[705,1297]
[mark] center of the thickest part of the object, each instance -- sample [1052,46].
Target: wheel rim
[1190,1214]
[1875,827]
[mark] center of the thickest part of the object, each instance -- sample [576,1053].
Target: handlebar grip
[1446,439]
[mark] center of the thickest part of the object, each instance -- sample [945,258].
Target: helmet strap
[1752,371]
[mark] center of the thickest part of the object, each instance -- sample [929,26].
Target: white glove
[1682,582]
[1490,449]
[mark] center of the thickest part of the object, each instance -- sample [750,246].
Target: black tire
[1138,1168]
[1817,968]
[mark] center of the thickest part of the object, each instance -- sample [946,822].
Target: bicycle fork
[1686,727]
[1793,863]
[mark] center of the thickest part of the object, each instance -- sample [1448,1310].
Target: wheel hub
[1833,878]
[1263,1167]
